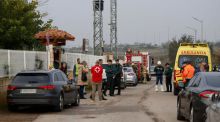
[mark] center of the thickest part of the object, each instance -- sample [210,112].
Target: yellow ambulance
[196,53]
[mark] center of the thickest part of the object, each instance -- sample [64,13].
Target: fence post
[9,64]
[25,66]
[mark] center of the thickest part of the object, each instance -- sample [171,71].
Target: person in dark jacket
[159,69]
[168,74]
[64,68]
[118,74]
[110,77]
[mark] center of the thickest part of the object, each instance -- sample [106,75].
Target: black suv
[50,88]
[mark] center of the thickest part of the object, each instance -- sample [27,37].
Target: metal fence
[12,62]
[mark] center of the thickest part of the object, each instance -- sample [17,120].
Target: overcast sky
[149,21]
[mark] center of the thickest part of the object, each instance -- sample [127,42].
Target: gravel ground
[136,104]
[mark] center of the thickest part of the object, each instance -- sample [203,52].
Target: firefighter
[144,74]
[118,74]
[159,69]
[188,72]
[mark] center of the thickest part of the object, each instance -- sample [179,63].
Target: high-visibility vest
[77,70]
[188,72]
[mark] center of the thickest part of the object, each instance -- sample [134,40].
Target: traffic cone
[156,88]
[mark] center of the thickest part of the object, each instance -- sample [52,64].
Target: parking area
[140,103]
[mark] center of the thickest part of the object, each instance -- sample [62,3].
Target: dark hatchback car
[194,99]
[50,88]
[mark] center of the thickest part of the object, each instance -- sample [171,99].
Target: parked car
[123,82]
[50,88]
[151,72]
[213,110]
[193,100]
[129,76]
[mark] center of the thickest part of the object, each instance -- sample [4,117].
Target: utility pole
[98,43]
[195,32]
[113,27]
[201,22]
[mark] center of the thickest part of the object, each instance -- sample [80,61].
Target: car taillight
[48,87]
[206,94]
[11,88]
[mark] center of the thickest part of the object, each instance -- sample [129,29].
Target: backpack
[84,76]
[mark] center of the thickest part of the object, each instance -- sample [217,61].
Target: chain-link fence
[12,62]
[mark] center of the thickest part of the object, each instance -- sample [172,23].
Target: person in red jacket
[96,72]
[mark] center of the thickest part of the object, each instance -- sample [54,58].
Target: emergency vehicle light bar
[194,45]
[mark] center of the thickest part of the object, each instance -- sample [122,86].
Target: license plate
[28,91]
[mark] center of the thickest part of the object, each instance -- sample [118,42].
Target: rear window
[31,78]
[128,69]
[196,59]
[152,68]
[213,81]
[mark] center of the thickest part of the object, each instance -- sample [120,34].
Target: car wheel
[60,105]
[77,100]
[148,78]
[123,87]
[179,115]
[192,115]
[135,84]
[12,107]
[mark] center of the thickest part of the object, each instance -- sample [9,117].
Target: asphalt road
[136,104]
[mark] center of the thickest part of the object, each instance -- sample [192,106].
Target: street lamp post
[201,22]
[195,32]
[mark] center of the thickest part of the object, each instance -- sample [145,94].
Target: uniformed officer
[168,74]
[118,74]
[110,76]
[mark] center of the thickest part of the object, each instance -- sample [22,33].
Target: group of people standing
[160,70]
[79,75]
[114,74]
[102,79]
[106,79]
[188,70]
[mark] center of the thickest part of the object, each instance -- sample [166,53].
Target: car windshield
[196,59]
[213,81]
[31,78]
[126,69]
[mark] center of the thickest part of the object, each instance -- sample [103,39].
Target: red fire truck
[138,59]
